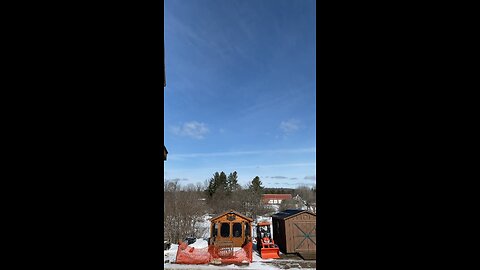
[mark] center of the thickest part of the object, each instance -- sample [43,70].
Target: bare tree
[290,204]
[183,209]
[307,196]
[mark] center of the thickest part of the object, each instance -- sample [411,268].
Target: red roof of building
[277,196]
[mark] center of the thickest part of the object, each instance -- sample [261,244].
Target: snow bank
[203,226]
[257,263]
[252,266]
[200,243]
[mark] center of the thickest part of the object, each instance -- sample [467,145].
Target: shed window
[225,230]
[214,229]
[237,229]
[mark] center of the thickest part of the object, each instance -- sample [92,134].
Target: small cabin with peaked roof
[231,226]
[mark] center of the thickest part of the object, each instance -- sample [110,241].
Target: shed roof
[232,212]
[286,214]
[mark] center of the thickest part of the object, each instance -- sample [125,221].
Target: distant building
[302,204]
[273,199]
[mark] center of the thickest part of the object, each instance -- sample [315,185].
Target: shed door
[304,236]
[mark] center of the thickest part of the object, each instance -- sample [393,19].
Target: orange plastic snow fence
[239,256]
[191,255]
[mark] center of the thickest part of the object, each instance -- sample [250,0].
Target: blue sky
[241,90]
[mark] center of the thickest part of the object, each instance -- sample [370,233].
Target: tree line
[183,210]
[279,190]
[224,193]
[185,206]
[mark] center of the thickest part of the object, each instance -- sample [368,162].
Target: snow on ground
[257,262]
[200,243]
[204,226]
[170,254]
[276,208]
[252,266]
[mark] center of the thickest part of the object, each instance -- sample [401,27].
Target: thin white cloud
[192,129]
[177,179]
[239,153]
[312,177]
[295,184]
[279,165]
[261,166]
[290,126]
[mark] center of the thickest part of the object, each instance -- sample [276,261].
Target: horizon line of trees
[185,205]
[224,193]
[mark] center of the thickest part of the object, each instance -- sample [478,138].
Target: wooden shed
[231,227]
[294,231]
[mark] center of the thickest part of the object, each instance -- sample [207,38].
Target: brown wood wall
[292,231]
[289,236]
[237,241]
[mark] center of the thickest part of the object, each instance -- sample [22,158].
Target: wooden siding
[237,241]
[296,228]
[296,234]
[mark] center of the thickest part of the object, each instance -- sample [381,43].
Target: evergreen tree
[255,191]
[223,182]
[256,186]
[213,184]
[232,182]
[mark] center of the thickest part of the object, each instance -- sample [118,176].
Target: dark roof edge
[292,215]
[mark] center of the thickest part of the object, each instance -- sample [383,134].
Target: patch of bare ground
[288,261]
